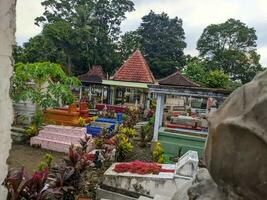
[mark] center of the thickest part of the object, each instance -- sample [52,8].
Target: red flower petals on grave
[138,167]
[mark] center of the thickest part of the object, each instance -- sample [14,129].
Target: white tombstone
[187,165]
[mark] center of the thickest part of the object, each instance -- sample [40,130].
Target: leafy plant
[61,185]
[82,122]
[129,132]
[132,117]
[31,131]
[157,153]
[217,79]
[44,84]
[123,146]
[21,186]
[100,140]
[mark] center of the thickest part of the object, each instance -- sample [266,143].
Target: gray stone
[237,143]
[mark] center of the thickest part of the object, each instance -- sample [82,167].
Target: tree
[43,83]
[86,30]
[217,79]
[129,42]
[230,47]
[162,42]
[38,49]
[196,71]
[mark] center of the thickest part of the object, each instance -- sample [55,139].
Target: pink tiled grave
[58,138]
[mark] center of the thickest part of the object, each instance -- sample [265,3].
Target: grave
[165,183]
[58,138]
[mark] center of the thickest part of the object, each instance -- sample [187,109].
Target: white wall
[7,38]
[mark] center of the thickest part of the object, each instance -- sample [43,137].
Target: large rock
[236,149]
[204,188]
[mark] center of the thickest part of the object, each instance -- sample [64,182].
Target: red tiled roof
[94,75]
[177,79]
[135,69]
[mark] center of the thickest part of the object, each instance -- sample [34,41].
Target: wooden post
[159,113]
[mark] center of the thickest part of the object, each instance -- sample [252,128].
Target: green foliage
[129,132]
[230,47]
[82,122]
[195,71]
[48,158]
[162,42]
[46,162]
[85,31]
[130,41]
[132,117]
[31,131]
[42,83]
[39,49]
[99,141]
[198,71]
[38,119]
[157,153]
[123,146]
[217,79]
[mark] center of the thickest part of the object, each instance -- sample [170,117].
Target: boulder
[236,148]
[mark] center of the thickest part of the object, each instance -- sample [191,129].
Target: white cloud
[196,15]
[27,11]
[263,52]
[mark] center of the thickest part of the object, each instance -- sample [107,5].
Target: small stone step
[18,137]
[53,145]
[17,129]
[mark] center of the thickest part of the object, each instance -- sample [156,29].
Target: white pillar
[90,93]
[102,94]
[81,91]
[148,100]
[161,110]
[7,38]
[158,117]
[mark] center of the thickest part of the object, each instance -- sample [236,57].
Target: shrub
[22,186]
[132,117]
[217,79]
[31,131]
[157,153]
[129,132]
[82,122]
[123,146]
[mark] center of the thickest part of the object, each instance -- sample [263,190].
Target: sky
[196,15]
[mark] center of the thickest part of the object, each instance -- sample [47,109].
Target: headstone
[187,165]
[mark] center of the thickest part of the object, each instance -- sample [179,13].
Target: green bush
[157,153]
[217,79]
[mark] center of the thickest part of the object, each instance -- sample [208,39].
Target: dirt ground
[29,157]
[138,153]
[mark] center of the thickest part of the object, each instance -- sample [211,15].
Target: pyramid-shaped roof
[94,75]
[177,79]
[135,69]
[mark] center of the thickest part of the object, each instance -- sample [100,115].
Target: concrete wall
[7,38]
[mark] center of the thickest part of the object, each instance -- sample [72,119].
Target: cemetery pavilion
[129,84]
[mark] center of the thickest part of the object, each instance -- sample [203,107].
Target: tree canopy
[230,47]
[162,42]
[86,31]
[197,71]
